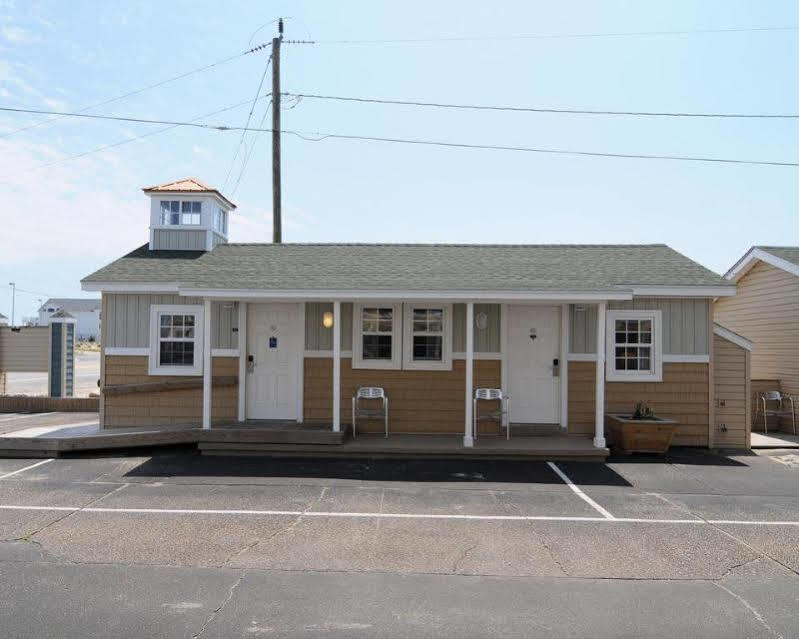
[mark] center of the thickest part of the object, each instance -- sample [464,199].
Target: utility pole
[276,193]
[13,299]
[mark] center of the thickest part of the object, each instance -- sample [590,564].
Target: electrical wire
[558,36]
[143,89]
[133,139]
[22,290]
[249,118]
[482,107]
[463,145]
[250,153]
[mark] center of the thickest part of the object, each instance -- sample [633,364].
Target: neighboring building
[3,320]
[766,311]
[85,311]
[569,331]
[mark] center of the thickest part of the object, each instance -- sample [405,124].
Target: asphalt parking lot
[178,545]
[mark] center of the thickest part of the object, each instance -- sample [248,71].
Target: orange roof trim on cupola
[186,185]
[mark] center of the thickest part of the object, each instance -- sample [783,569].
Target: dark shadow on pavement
[411,470]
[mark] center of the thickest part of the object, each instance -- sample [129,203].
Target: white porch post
[468,440]
[207,372]
[564,366]
[242,361]
[599,417]
[336,366]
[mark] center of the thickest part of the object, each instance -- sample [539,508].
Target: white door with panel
[533,347]
[274,339]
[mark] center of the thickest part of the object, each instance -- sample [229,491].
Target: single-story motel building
[197,330]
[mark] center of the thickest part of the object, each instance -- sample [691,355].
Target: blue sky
[63,221]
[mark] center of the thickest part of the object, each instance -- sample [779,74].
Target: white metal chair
[369,392]
[775,404]
[500,414]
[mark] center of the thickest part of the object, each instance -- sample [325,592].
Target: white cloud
[201,151]
[83,210]
[18,35]
[58,105]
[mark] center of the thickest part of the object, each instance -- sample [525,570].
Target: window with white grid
[428,336]
[175,340]
[634,346]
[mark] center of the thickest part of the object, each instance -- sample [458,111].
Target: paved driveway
[87,372]
[179,545]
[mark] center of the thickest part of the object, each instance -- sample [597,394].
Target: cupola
[187,215]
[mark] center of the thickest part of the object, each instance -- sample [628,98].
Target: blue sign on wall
[273,342]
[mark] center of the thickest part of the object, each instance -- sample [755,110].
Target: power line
[249,117]
[558,36]
[133,139]
[22,290]
[143,89]
[482,107]
[250,152]
[463,145]
[497,147]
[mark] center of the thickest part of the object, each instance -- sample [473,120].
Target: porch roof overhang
[481,295]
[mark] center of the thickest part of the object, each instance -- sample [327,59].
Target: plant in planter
[641,431]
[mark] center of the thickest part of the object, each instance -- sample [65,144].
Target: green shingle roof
[422,267]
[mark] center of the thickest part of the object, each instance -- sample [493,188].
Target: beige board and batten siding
[178,240]
[731,364]
[319,338]
[126,319]
[25,349]
[765,310]
[686,324]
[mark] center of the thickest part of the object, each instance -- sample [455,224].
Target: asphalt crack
[462,557]
[209,619]
[751,609]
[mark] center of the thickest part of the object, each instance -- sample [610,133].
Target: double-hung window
[220,221]
[176,340]
[376,342]
[634,346]
[180,213]
[428,336]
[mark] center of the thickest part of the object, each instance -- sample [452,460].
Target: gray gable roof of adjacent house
[420,267]
[788,253]
[72,304]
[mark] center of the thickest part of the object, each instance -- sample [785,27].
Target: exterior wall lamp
[327,319]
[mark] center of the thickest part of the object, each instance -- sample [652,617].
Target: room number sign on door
[273,342]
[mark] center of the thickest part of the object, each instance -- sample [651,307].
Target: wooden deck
[287,439]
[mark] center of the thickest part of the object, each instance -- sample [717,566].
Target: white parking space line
[368,515]
[26,416]
[22,470]
[579,492]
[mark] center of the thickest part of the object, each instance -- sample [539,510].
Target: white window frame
[445,363]
[180,213]
[654,375]
[156,310]
[358,361]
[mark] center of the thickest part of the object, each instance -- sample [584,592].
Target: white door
[533,345]
[274,342]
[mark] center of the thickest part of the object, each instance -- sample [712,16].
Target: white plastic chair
[502,414]
[775,404]
[369,392]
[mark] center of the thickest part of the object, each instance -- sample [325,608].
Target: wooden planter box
[640,435]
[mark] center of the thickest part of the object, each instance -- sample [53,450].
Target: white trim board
[686,359]
[752,256]
[126,350]
[683,291]
[131,351]
[736,339]
[349,295]
[581,357]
